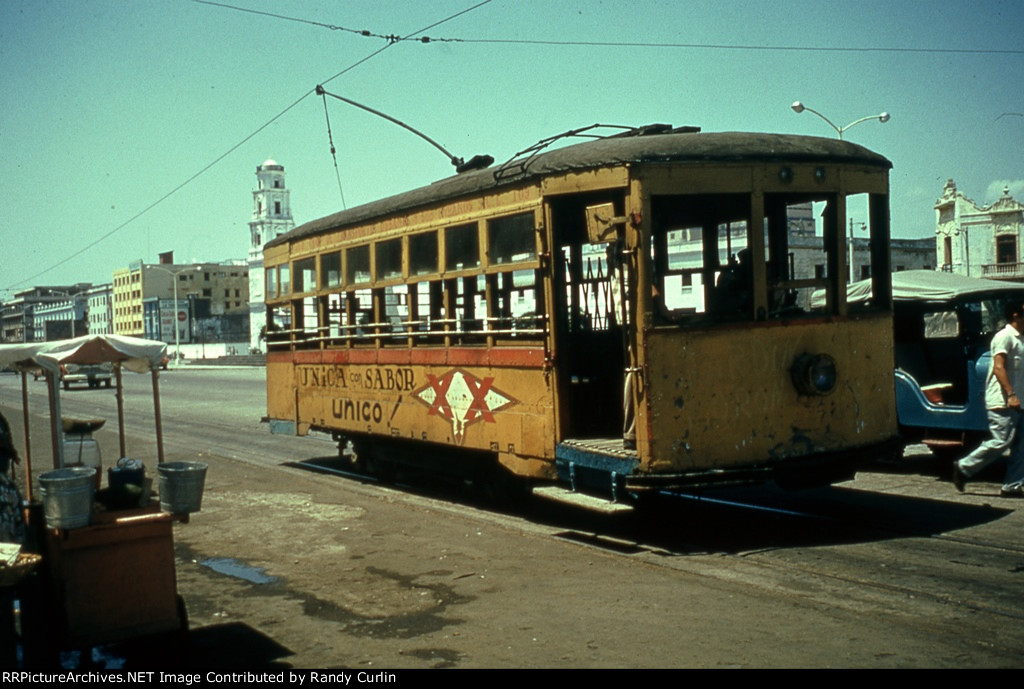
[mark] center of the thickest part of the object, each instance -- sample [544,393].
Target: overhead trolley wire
[392,39]
[228,152]
[166,196]
[334,151]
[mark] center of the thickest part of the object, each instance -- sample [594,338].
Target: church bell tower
[271,217]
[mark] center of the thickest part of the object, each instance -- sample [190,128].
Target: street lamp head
[884,117]
[797,106]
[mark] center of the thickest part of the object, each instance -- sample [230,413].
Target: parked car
[93,375]
[942,328]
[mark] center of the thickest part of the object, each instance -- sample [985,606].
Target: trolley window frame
[385,297]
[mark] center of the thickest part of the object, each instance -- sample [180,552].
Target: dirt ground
[329,574]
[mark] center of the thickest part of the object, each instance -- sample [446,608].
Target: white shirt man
[1005,419]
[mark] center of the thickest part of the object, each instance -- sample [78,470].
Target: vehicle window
[461,247]
[396,307]
[989,315]
[330,270]
[423,253]
[358,268]
[271,284]
[305,275]
[389,259]
[284,274]
[512,238]
[941,325]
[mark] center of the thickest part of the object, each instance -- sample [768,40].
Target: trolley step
[589,502]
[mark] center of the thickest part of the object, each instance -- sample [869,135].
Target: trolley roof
[612,151]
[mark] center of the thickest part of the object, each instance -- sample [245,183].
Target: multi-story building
[61,319]
[19,321]
[99,315]
[979,241]
[271,217]
[202,290]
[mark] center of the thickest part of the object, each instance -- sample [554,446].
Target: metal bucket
[83,450]
[68,496]
[181,486]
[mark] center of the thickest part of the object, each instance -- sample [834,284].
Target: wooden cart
[115,578]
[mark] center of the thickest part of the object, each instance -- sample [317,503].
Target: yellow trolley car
[629,313]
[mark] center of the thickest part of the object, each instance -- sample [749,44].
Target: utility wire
[166,196]
[392,39]
[334,151]
[231,150]
[728,46]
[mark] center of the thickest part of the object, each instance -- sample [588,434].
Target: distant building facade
[99,312]
[142,293]
[271,217]
[32,313]
[61,319]
[979,241]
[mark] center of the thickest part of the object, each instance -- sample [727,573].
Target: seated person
[12,524]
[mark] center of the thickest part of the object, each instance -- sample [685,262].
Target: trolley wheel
[364,459]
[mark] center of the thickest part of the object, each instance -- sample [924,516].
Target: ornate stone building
[271,217]
[979,241]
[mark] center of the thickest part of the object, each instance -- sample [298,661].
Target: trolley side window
[423,256]
[284,281]
[511,238]
[357,265]
[702,252]
[270,283]
[279,324]
[462,247]
[699,253]
[330,270]
[389,259]
[305,275]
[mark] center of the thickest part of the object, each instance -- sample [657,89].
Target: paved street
[290,567]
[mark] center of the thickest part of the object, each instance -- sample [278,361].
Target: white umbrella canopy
[131,353]
[134,354]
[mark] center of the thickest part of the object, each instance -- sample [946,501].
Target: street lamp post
[799,107]
[174,281]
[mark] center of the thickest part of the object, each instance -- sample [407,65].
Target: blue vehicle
[943,325]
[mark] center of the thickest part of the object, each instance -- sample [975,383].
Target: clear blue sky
[106,106]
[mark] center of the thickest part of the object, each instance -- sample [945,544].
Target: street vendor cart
[112,578]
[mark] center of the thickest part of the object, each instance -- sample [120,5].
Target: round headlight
[814,374]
